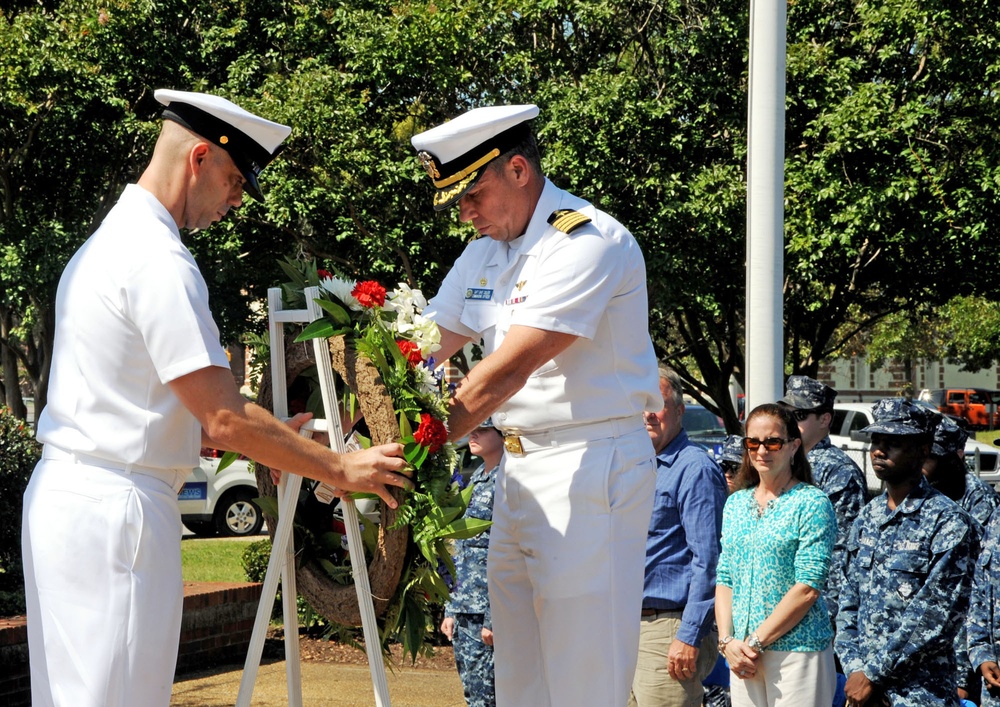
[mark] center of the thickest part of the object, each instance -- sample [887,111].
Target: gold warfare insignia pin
[429,165]
[521,284]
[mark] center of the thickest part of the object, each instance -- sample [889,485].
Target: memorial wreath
[382,348]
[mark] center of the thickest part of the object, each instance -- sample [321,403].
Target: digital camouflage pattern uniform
[978,500]
[905,587]
[844,484]
[833,471]
[983,626]
[469,604]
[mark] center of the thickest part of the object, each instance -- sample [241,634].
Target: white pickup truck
[850,418]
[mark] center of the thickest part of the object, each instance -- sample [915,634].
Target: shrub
[255,558]
[18,455]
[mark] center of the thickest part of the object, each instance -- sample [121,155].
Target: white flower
[421,331]
[341,289]
[427,382]
[406,302]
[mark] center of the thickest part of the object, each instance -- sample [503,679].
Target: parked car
[977,406]
[220,503]
[845,432]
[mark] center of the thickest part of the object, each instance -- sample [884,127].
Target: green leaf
[227,459]
[268,504]
[339,314]
[465,528]
[319,329]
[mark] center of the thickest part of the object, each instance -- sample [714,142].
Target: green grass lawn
[214,559]
[987,436]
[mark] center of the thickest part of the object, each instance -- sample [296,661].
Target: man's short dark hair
[526,148]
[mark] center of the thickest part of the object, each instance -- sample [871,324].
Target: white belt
[517,442]
[174,478]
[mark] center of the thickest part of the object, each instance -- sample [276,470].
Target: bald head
[195,180]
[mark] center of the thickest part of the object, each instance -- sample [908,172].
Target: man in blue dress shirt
[677,640]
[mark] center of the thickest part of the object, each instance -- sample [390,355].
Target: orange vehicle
[977,406]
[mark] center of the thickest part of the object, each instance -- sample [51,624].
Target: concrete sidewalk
[323,684]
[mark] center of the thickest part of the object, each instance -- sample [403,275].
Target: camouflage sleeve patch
[567,220]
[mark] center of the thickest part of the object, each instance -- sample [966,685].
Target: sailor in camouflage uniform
[947,472]
[467,621]
[905,587]
[833,471]
[729,458]
[983,624]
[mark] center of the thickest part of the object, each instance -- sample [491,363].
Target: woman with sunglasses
[777,537]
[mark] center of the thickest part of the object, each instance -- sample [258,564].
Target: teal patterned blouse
[762,558]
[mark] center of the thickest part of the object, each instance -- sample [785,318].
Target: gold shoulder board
[567,220]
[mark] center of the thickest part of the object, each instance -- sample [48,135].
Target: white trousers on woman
[566,566]
[787,679]
[102,575]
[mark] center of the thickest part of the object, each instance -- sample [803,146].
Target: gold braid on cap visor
[443,196]
[470,170]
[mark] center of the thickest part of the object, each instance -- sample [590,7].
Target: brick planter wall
[215,628]
[14,681]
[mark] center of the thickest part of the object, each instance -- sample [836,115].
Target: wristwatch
[723,642]
[754,643]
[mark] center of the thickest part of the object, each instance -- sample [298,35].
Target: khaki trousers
[652,685]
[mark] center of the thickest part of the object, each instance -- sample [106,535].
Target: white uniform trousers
[102,572]
[566,566]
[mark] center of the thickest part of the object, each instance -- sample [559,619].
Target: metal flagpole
[765,209]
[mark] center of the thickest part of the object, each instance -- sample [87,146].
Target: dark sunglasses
[730,467]
[801,415]
[771,444]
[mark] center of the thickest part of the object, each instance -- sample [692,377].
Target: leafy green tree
[891,175]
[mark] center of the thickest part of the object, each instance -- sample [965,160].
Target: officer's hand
[376,470]
[448,627]
[487,635]
[681,660]
[858,689]
[991,673]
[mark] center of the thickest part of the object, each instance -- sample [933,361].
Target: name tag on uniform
[479,293]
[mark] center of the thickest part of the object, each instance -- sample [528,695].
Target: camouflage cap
[949,438]
[805,393]
[732,449]
[899,416]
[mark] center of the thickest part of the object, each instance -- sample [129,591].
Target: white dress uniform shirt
[591,284]
[571,513]
[132,313]
[101,527]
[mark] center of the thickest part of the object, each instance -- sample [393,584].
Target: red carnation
[411,351]
[431,434]
[324,274]
[369,294]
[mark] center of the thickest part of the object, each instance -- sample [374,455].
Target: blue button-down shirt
[682,548]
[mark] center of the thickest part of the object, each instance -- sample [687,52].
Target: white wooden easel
[282,560]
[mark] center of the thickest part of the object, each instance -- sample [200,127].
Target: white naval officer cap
[455,153]
[250,140]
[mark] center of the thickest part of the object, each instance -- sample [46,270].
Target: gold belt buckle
[512,443]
